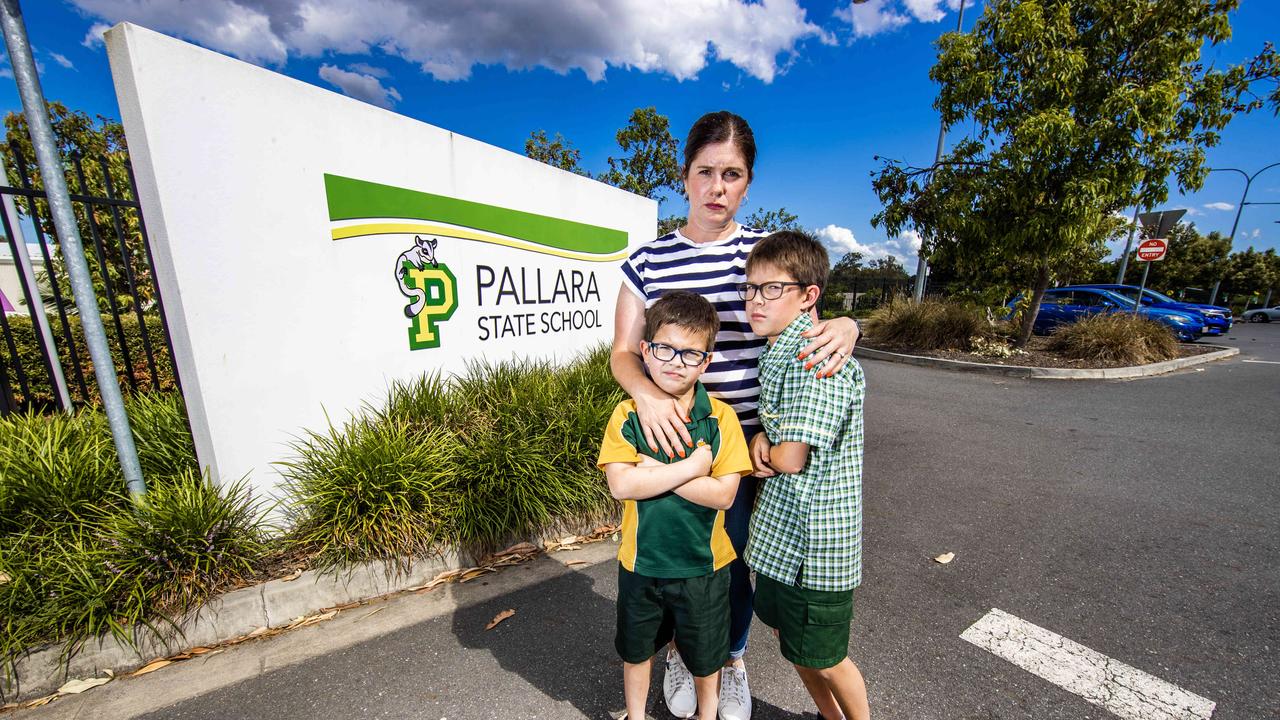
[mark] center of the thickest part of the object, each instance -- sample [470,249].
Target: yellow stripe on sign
[350,231]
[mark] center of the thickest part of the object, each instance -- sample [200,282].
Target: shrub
[501,451]
[1115,338]
[133,565]
[41,393]
[929,325]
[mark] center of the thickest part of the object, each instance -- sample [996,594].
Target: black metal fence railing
[34,371]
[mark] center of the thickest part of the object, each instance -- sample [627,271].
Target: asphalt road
[1138,518]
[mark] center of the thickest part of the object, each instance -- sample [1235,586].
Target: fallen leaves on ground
[499,618]
[945,558]
[151,667]
[292,576]
[75,687]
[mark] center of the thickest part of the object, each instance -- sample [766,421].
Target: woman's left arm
[835,336]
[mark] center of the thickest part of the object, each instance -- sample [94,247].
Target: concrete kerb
[1024,371]
[272,604]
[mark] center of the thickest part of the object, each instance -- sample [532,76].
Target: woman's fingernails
[681,452]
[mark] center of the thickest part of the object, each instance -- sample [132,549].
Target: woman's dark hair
[718,127]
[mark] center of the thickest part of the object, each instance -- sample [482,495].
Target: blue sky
[825,86]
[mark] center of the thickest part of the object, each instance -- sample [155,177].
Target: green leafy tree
[99,145]
[772,220]
[1080,108]
[1193,260]
[670,224]
[556,152]
[1253,273]
[648,166]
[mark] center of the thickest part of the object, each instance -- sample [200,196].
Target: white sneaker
[735,694]
[677,688]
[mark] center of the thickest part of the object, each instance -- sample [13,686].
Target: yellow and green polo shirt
[667,536]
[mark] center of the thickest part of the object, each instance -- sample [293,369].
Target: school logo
[431,288]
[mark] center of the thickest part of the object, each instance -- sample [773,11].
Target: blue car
[1218,319]
[1065,305]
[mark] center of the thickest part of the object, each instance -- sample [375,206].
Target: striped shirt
[713,270]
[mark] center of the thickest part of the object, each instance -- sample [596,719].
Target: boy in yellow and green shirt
[673,574]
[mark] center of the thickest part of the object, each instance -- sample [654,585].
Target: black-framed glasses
[688,356]
[770,290]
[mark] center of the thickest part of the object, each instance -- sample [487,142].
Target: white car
[1261,314]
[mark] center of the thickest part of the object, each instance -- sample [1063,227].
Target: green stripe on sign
[351,199]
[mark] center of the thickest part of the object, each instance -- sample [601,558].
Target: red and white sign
[1152,250]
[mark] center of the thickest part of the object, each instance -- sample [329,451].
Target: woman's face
[716,184]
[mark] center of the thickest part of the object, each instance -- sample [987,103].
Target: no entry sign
[1152,250]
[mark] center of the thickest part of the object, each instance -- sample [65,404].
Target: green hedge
[42,393]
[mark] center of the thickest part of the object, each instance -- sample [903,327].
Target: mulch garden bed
[1036,354]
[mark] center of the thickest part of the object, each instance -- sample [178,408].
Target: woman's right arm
[660,415]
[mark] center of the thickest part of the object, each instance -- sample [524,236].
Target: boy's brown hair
[797,254]
[685,309]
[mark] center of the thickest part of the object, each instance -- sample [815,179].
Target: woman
[707,255]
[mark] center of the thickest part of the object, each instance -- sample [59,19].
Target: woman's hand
[759,449]
[836,336]
[663,422]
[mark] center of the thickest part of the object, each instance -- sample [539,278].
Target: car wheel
[1259,317]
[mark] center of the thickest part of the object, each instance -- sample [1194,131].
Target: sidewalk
[415,656]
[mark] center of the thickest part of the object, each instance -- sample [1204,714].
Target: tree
[94,156]
[1193,260]
[648,166]
[1250,272]
[772,220]
[558,153]
[1080,109]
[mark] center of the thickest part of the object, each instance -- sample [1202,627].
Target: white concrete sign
[311,248]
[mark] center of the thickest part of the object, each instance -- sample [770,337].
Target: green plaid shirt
[807,527]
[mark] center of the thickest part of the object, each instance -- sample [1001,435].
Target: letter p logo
[441,289]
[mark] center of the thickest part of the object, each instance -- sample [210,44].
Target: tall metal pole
[64,221]
[922,265]
[1128,247]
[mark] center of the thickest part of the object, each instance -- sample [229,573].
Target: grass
[78,558]
[1116,338]
[929,325]
[503,451]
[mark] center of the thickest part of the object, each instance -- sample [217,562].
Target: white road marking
[1118,688]
[1263,362]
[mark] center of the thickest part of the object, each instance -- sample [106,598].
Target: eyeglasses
[688,356]
[770,290]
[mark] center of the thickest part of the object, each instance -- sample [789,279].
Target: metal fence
[44,363]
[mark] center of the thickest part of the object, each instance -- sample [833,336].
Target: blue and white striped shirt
[713,270]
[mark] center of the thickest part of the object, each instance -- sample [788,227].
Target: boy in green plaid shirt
[806,531]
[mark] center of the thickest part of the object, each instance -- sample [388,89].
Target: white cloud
[925,10]
[93,38]
[367,69]
[840,240]
[1192,212]
[872,17]
[62,60]
[360,86]
[1257,233]
[1220,206]
[448,38]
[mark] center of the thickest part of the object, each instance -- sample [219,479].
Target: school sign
[310,249]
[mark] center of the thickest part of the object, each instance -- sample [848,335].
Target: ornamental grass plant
[500,452]
[929,325]
[79,558]
[1115,339]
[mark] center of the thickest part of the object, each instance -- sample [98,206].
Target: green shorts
[695,611]
[812,625]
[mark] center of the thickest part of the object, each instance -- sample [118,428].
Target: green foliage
[1252,272]
[42,393]
[103,172]
[773,220]
[1115,339]
[648,166]
[56,469]
[1081,108]
[929,325]
[558,153]
[500,452]
[670,224]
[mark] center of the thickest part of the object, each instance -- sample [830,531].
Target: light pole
[922,265]
[1248,181]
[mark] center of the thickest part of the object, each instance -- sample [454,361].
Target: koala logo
[431,288]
